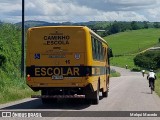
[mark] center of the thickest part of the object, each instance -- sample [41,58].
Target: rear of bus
[57,60]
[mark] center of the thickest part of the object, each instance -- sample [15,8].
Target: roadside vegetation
[114,73]
[12,86]
[157,88]
[149,59]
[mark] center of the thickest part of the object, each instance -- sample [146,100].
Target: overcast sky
[81,10]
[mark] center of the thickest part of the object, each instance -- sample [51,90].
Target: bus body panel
[56,46]
[64,57]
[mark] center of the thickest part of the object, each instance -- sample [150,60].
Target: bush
[136,69]
[149,60]
[2,59]
[114,73]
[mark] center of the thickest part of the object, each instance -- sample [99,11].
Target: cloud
[81,10]
[154,14]
[118,5]
[74,10]
[6,8]
[59,8]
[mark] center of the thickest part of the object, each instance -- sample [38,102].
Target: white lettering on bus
[57,71]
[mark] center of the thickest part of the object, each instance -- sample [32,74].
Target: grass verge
[122,61]
[14,93]
[13,90]
[157,84]
[114,73]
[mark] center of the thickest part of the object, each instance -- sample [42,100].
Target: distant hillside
[133,41]
[93,24]
[31,23]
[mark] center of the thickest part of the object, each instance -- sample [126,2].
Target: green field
[122,61]
[126,45]
[134,41]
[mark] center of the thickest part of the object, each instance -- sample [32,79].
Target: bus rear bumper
[65,92]
[58,96]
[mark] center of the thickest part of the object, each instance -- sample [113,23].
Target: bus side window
[101,52]
[94,48]
[104,54]
[96,44]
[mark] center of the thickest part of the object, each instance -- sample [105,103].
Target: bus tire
[95,99]
[105,94]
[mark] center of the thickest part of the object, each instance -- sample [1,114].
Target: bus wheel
[95,99]
[105,94]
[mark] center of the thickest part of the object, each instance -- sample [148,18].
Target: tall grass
[12,86]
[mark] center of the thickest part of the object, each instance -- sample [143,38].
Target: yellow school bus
[67,62]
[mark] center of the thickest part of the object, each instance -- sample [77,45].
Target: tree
[145,24]
[156,25]
[134,25]
[117,27]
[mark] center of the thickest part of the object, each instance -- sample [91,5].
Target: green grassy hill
[126,45]
[134,41]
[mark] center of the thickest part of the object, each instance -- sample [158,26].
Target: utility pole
[22,45]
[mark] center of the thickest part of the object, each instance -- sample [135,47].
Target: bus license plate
[55,77]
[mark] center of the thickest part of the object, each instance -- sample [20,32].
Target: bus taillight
[28,77]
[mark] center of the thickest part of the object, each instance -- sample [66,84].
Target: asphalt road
[130,92]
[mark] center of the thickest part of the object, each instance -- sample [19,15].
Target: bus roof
[96,35]
[84,27]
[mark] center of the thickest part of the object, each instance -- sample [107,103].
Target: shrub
[149,60]
[136,69]
[2,59]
